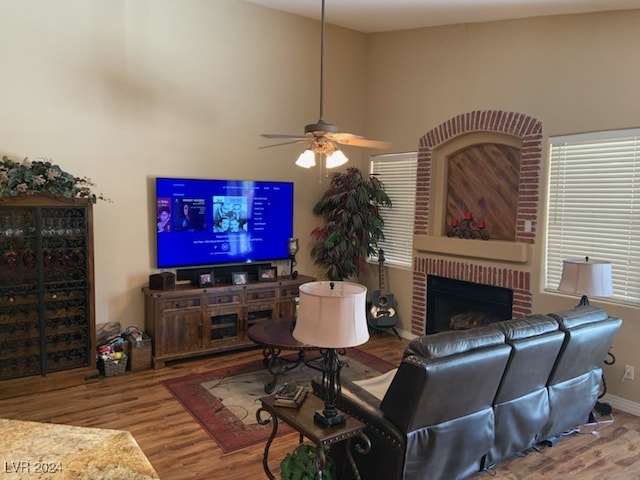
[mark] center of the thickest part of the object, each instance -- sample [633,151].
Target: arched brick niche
[528,131]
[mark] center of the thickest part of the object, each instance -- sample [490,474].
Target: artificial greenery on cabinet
[42,176]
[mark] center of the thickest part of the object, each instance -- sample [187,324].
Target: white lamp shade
[332,317]
[336,159]
[307,159]
[586,277]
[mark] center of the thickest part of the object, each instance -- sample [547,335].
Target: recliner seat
[574,383]
[521,406]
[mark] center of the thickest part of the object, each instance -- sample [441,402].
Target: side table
[275,336]
[301,419]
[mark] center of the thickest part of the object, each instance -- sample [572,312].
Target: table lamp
[586,277]
[331,316]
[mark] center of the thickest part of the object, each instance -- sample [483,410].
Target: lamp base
[325,421]
[584,300]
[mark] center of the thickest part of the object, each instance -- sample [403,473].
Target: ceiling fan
[324,138]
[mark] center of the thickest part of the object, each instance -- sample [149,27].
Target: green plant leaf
[301,464]
[42,176]
[353,225]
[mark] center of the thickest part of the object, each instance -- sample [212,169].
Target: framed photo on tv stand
[239,278]
[268,274]
[206,279]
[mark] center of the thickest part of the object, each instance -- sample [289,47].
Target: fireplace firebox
[456,304]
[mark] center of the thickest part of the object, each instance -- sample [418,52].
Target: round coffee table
[275,336]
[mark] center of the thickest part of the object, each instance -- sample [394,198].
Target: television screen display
[206,222]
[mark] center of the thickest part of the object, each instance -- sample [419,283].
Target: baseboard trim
[622,404]
[406,335]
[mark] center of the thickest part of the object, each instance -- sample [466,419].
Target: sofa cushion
[579,316]
[526,327]
[377,386]
[446,344]
[535,341]
[575,380]
[428,391]
[585,348]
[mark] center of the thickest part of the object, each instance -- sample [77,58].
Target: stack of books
[291,398]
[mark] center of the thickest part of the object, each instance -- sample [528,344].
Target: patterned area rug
[225,401]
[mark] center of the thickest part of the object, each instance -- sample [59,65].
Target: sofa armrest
[387,455]
[360,404]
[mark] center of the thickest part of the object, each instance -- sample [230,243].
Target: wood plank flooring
[180,449]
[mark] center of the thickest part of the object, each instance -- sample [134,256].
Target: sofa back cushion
[446,376]
[535,342]
[453,342]
[589,335]
[579,316]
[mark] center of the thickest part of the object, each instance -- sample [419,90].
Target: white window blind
[594,206]
[397,171]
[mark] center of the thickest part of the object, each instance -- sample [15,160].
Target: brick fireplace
[499,263]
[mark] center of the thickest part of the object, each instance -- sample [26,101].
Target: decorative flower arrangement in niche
[42,176]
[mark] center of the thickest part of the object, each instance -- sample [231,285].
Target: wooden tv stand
[187,321]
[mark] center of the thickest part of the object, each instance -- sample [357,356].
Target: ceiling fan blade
[280,135]
[356,141]
[304,139]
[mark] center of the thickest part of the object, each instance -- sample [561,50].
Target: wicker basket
[111,368]
[139,353]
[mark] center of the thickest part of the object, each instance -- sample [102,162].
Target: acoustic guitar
[382,315]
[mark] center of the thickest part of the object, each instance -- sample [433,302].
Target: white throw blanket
[377,386]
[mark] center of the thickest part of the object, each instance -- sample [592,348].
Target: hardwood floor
[180,449]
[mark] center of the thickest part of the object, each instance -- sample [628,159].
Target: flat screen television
[210,222]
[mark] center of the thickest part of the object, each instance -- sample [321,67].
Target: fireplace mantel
[505,251]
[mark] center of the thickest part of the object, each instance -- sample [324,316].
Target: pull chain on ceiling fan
[323,138]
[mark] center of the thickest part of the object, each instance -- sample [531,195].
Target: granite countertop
[62,452]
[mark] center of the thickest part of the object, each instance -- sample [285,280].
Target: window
[397,171]
[594,206]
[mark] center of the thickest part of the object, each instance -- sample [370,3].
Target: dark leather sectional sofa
[462,401]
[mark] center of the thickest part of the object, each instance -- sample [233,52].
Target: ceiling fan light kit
[336,159]
[323,137]
[307,159]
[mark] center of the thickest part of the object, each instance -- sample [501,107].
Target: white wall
[123,91]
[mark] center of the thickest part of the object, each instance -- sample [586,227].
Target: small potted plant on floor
[352,223]
[301,464]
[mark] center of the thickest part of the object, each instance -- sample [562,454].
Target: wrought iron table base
[273,362]
[321,461]
[275,336]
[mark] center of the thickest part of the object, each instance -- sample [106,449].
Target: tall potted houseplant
[352,223]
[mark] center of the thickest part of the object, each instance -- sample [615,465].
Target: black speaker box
[222,273]
[162,281]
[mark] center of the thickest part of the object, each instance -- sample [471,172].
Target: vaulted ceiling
[386,15]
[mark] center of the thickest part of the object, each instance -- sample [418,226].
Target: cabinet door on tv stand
[223,326]
[286,309]
[289,296]
[259,312]
[180,332]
